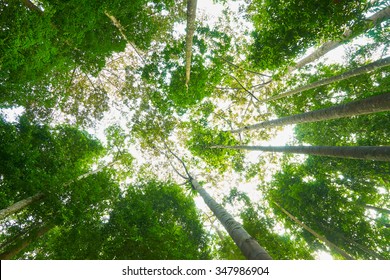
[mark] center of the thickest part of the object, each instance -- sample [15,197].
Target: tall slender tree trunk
[380,153]
[320,237]
[191,15]
[247,244]
[22,244]
[349,74]
[373,20]
[24,203]
[21,204]
[373,104]
[378,209]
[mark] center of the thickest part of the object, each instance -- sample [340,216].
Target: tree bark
[21,204]
[373,20]
[24,243]
[349,74]
[320,237]
[247,244]
[373,104]
[379,153]
[191,15]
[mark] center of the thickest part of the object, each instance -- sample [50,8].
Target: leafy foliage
[202,138]
[56,163]
[331,206]
[167,74]
[284,29]
[44,49]
[152,220]
[36,158]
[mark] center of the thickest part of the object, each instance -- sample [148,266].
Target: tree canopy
[117,116]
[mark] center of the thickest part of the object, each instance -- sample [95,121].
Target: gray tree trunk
[380,153]
[247,244]
[373,104]
[320,237]
[349,74]
[373,20]
[191,15]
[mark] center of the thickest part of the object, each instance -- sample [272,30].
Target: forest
[194,129]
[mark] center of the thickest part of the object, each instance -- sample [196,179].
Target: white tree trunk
[247,244]
[373,104]
[21,204]
[191,15]
[349,74]
[380,153]
[328,46]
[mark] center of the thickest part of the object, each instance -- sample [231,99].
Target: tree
[191,15]
[47,170]
[249,247]
[313,194]
[24,203]
[322,238]
[92,196]
[368,153]
[352,73]
[263,226]
[279,37]
[45,49]
[374,104]
[247,244]
[371,21]
[149,220]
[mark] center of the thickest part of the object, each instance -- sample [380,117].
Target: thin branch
[122,31]
[179,159]
[170,162]
[247,70]
[244,87]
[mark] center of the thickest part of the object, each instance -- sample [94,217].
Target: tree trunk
[320,237]
[373,104]
[373,20]
[31,6]
[247,244]
[378,209]
[380,153]
[349,74]
[24,243]
[21,204]
[191,15]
